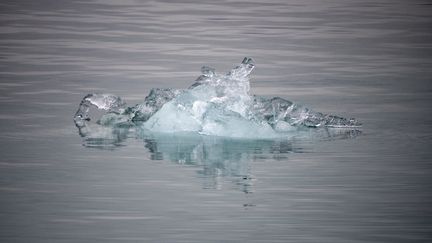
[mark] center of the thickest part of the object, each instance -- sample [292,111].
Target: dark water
[366,59]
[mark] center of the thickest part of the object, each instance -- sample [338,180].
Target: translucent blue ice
[216,104]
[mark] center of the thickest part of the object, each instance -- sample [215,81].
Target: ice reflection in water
[217,157]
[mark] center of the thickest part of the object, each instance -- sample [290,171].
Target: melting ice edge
[216,104]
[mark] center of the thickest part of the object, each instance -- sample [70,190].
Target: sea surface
[371,60]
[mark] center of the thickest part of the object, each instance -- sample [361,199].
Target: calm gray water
[366,59]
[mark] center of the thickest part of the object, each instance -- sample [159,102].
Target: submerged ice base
[216,104]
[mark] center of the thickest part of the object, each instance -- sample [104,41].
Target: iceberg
[215,105]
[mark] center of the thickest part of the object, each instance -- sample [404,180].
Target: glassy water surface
[366,59]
